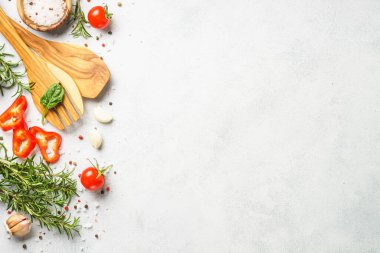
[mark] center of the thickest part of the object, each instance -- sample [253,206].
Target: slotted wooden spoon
[88,70]
[38,72]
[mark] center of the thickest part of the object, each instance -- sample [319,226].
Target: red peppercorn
[78,200]
[79,175]
[9,211]
[71,162]
[103,45]
[66,208]
[108,188]
[80,137]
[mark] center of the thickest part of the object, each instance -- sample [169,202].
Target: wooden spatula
[89,72]
[38,72]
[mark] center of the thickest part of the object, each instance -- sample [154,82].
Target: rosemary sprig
[31,187]
[79,29]
[9,77]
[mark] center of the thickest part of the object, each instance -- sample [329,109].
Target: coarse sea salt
[45,12]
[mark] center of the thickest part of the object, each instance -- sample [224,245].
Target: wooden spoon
[70,86]
[88,70]
[42,28]
[38,72]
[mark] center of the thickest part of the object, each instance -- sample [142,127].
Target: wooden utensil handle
[32,40]
[11,35]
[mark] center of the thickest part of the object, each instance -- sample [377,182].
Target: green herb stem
[10,78]
[80,20]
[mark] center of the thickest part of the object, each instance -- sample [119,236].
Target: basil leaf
[51,98]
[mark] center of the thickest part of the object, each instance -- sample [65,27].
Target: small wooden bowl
[31,24]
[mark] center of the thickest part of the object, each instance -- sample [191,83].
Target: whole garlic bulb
[18,225]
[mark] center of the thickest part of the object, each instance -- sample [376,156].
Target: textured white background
[240,126]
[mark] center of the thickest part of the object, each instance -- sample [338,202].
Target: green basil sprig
[51,98]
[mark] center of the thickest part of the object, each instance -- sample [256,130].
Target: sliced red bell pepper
[43,138]
[23,142]
[13,117]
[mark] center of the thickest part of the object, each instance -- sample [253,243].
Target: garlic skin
[102,115]
[18,225]
[95,138]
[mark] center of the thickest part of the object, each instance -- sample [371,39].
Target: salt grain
[45,12]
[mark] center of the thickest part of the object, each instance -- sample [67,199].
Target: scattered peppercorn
[24,246]
[75,207]
[102,192]
[96,236]
[103,45]
[119,4]
[80,137]
[71,162]
[86,206]
[40,237]
[108,188]
[66,208]
[9,211]
[110,32]
[110,103]
[114,172]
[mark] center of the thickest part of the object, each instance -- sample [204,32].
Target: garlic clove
[95,138]
[21,229]
[102,115]
[18,225]
[14,219]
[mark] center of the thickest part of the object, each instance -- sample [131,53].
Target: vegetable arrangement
[24,139]
[28,183]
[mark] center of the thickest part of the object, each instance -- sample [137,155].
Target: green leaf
[51,98]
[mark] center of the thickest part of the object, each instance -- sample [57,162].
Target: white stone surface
[240,126]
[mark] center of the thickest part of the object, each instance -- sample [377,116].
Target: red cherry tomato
[92,179]
[99,17]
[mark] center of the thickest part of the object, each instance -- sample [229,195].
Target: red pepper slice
[43,138]
[23,142]
[13,117]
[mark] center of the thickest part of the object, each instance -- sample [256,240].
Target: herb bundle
[33,188]
[9,77]
[79,29]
